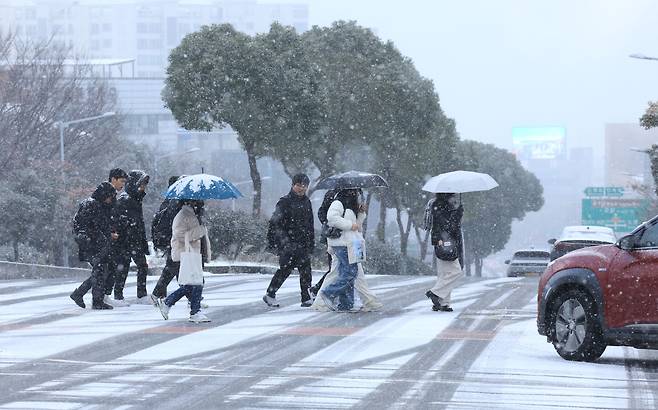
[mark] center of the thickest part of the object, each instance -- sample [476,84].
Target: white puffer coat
[336,219]
[186,222]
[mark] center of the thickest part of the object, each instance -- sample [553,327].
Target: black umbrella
[352,179]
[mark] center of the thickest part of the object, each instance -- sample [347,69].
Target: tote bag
[356,252]
[191,268]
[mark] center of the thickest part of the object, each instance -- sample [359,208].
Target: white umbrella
[460,182]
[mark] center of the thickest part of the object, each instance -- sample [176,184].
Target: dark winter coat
[447,219]
[291,226]
[92,224]
[128,217]
[161,227]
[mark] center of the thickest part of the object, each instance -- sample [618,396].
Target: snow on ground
[528,373]
[517,369]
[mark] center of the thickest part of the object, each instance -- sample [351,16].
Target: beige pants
[370,301]
[447,275]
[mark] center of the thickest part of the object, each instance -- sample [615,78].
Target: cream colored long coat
[187,222]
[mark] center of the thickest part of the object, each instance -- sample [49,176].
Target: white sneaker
[144,300]
[108,300]
[270,301]
[164,309]
[199,317]
[119,303]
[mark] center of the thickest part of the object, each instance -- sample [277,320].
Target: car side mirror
[552,241]
[507,262]
[627,242]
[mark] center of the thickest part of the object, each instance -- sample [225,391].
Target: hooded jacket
[128,216]
[92,223]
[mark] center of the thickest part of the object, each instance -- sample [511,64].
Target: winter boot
[436,301]
[78,299]
[306,303]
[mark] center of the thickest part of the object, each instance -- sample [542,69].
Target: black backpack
[448,250]
[161,225]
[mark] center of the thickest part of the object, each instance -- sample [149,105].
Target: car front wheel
[575,329]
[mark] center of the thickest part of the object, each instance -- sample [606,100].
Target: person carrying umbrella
[443,216]
[292,237]
[190,246]
[447,213]
[188,231]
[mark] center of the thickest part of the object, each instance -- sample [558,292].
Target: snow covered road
[485,354]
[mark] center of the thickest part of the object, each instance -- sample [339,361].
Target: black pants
[111,275]
[96,281]
[287,262]
[122,266]
[317,286]
[169,272]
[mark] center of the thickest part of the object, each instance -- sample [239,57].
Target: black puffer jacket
[448,219]
[128,216]
[92,224]
[291,225]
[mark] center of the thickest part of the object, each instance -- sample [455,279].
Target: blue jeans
[193,293]
[343,286]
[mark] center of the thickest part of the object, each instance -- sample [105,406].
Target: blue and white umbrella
[202,187]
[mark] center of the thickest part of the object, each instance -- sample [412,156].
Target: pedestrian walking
[118,179]
[347,214]
[292,237]
[370,302]
[93,234]
[128,218]
[188,232]
[161,233]
[444,215]
[329,197]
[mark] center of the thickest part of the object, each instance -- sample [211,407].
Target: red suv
[602,295]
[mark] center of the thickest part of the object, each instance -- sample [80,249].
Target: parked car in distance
[527,261]
[603,295]
[576,237]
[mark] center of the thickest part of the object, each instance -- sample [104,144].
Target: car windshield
[588,235]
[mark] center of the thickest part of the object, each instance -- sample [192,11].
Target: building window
[107,43]
[142,28]
[95,44]
[95,29]
[107,27]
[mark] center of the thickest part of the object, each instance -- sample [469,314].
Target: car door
[632,297]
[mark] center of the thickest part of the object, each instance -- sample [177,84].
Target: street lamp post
[62,126]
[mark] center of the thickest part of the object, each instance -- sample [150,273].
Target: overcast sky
[505,63]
